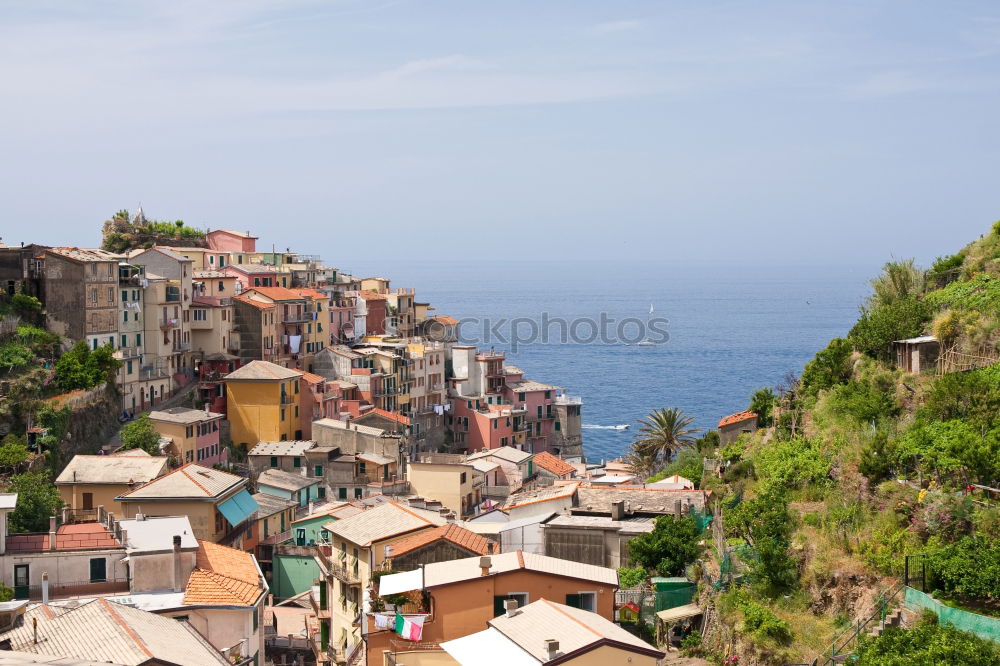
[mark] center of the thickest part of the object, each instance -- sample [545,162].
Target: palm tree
[641,462]
[665,431]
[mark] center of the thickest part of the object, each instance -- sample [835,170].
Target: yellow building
[458,487]
[263,404]
[216,503]
[193,434]
[88,482]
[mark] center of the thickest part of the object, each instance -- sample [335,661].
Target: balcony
[343,573]
[562,399]
[128,352]
[167,324]
[180,346]
[298,318]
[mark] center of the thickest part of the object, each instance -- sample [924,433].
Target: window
[124,341]
[98,570]
[297,462]
[274,461]
[520,597]
[520,396]
[282,413]
[128,367]
[318,470]
[357,493]
[558,426]
[462,480]
[124,295]
[583,600]
[548,395]
[138,339]
[201,315]
[342,493]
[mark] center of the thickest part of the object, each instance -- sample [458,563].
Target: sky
[690,132]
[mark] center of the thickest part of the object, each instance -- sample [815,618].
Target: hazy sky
[694,131]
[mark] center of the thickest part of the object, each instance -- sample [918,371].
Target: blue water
[732,329]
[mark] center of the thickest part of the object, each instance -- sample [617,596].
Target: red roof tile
[283,294]
[398,418]
[76,536]
[370,295]
[736,418]
[461,537]
[549,462]
[223,577]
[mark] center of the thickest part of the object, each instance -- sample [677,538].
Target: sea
[729,329]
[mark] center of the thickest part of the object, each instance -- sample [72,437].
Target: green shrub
[14,356]
[81,368]
[981,293]
[630,577]
[926,645]
[969,567]
[760,622]
[830,367]
[669,548]
[880,325]
[793,463]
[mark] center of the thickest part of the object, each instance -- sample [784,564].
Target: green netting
[702,518]
[980,625]
[678,596]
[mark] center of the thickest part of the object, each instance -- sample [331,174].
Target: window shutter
[573,600]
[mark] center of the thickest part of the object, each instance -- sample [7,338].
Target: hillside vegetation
[862,466]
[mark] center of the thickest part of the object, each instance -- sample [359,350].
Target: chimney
[206,410]
[485,563]
[510,607]
[52,533]
[551,648]
[677,509]
[45,587]
[490,546]
[618,510]
[179,583]
[312,507]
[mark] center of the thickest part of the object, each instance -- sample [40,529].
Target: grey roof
[531,385]
[379,523]
[262,370]
[524,522]
[189,481]
[157,533]
[627,526]
[467,568]
[113,469]
[508,453]
[574,628]
[646,500]
[270,505]
[291,448]
[105,631]
[183,415]
[922,338]
[343,425]
[375,458]
[85,254]
[544,494]
[286,480]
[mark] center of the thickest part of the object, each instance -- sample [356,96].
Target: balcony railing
[166,324]
[343,573]
[180,346]
[71,589]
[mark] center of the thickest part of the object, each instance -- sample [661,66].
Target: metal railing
[877,615]
[169,323]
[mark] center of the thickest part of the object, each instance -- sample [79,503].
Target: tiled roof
[268,505]
[456,534]
[549,462]
[338,512]
[645,500]
[223,577]
[74,536]
[529,385]
[370,295]
[295,447]
[313,379]
[286,480]
[260,305]
[187,481]
[113,469]
[263,370]
[284,294]
[467,568]
[546,494]
[508,453]
[736,418]
[183,415]
[574,628]
[166,251]
[398,418]
[445,319]
[382,522]
[337,424]
[239,234]
[85,254]
[108,632]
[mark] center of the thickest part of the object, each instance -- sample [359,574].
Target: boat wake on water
[622,426]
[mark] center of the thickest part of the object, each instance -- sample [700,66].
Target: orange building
[464,595]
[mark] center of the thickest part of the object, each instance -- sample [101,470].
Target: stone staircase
[893,619]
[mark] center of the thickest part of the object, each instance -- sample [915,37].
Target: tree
[765,524]
[37,501]
[13,451]
[81,368]
[830,367]
[26,307]
[665,431]
[140,434]
[641,462]
[880,325]
[762,403]
[670,547]
[899,280]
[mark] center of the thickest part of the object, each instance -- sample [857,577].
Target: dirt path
[675,659]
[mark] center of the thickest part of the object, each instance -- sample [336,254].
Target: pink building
[225,240]
[477,424]
[253,275]
[537,401]
[341,320]
[190,435]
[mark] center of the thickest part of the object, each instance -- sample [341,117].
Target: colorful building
[263,404]
[193,434]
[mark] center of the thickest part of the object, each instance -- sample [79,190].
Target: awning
[400,582]
[238,508]
[679,613]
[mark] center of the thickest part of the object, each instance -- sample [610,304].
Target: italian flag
[410,628]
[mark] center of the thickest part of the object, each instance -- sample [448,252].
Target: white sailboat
[647,342]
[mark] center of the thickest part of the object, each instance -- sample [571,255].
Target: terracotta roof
[313,379]
[223,577]
[642,500]
[736,418]
[75,536]
[370,295]
[398,418]
[549,462]
[446,320]
[260,305]
[241,234]
[456,534]
[263,370]
[284,294]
